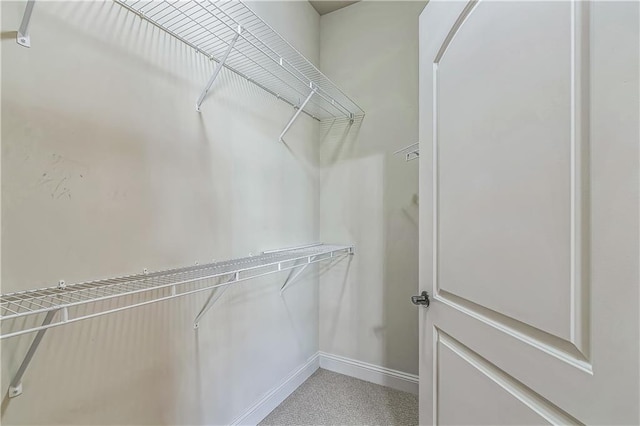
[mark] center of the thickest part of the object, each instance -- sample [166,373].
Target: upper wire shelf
[94,298]
[255,51]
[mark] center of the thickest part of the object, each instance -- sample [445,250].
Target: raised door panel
[505,140]
[466,381]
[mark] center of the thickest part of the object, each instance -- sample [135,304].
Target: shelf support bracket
[216,293]
[15,388]
[297,113]
[411,152]
[412,155]
[292,277]
[216,71]
[23,37]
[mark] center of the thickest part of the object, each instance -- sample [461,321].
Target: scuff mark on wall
[61,176]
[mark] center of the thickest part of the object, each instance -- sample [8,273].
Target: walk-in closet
[320,212]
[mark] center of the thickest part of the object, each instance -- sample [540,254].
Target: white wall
[367,195]
[108,169]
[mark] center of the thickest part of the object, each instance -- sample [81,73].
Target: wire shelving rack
[230,33]
[38,310]
[175,282]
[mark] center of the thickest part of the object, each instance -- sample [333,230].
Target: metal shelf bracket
[218,68]
[15,388]
[411,152]
[412,155]
[215,294]
[298,111]
[23,37]
[295,274]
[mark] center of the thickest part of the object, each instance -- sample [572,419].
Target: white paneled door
[529,223]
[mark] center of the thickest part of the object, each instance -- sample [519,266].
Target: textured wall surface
[108,169]
[367,193]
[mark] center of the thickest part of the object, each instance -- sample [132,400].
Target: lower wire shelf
[38,310]
[72,301]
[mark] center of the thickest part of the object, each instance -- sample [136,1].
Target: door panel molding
[527,396]
[576,349]
[580,188]
[541,340]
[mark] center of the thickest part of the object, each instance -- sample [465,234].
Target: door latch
[422,299]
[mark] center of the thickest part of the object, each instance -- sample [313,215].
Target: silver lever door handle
[422,299]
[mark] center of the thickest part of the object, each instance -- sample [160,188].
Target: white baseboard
[371,373]
[261,409]
[349,367]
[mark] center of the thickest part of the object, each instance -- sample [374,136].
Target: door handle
[422,299]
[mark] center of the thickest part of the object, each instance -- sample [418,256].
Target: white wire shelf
[229,32]
[90,299]
[38,310]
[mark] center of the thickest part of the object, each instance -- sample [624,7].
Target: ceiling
[327,6]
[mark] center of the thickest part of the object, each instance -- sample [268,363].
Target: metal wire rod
[292,248]
[296,114]
[212,299]
[23,37]
[292,277]
[15,388]
[217,69]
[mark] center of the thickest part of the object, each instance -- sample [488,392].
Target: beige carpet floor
[328,398]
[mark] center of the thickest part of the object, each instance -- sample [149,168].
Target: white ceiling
[327,6]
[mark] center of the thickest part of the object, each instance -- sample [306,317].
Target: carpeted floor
[328,398]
